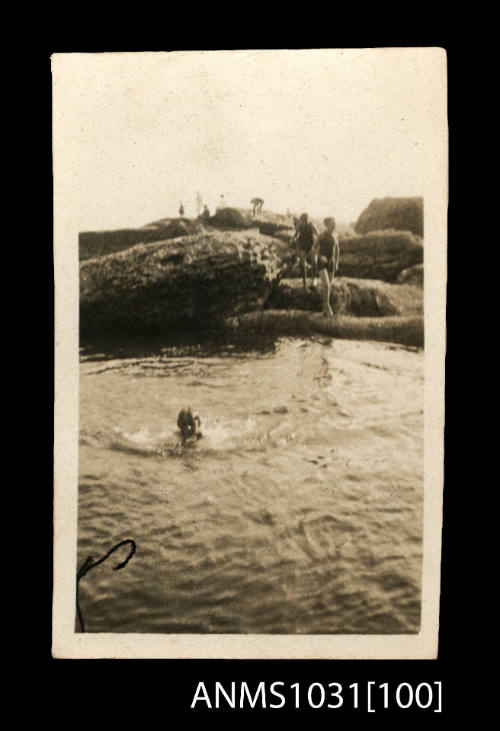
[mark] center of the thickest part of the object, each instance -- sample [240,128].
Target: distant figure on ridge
[257,204]
[181,211]
[328,260]
[305,234]
[199,203]
[205,214]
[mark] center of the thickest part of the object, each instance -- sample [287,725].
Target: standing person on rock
[205,214]
[305,234]
[328,260]
[257,204]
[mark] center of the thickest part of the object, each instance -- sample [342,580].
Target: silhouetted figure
[205,214]
[257,204]
[199,203]
[181,210]
[304,238]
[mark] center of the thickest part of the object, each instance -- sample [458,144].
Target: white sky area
[322,131]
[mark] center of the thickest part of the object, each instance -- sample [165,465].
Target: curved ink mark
[90,564]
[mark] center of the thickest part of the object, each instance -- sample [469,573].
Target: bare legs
[257,204]
[303,265]
[315,268]
[327,288]
[303,257]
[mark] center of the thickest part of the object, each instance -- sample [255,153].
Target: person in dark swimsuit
[328,260]
[305,234]
[189,425]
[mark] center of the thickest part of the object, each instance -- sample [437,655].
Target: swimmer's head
[187,423]
[329,223]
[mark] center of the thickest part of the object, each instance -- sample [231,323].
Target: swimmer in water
[189,425]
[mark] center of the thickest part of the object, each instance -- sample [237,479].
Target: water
[299,511]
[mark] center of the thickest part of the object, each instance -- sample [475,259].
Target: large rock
[280,230]
[192,282]
[408,330]
[402,214]
[99,243]
[361,298]
[278,219]
[379,255]
[179,227]
[269,224]
[228,218]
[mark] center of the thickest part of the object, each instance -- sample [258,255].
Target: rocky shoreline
[239,280]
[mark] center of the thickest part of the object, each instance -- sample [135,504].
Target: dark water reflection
[188,345]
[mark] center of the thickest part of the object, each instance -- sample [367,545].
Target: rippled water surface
[299,511]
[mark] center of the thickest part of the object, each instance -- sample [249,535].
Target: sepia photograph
[250,298]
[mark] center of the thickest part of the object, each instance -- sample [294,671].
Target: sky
[322,131]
